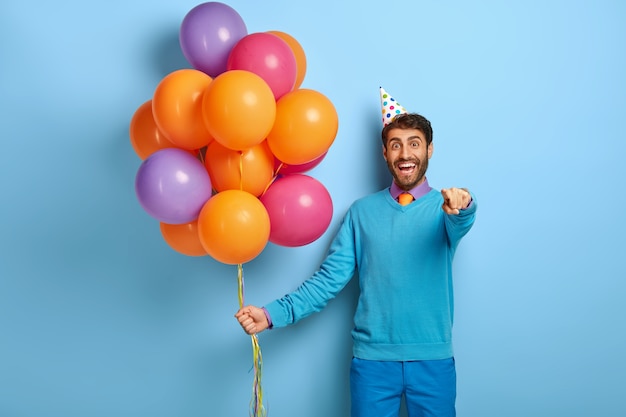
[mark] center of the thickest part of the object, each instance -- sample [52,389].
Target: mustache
[405,160]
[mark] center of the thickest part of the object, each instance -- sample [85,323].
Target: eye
[415,144]
[395,146]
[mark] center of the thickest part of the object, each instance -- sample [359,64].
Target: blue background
[99,317]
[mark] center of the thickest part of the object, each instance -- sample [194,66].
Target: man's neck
[418,191]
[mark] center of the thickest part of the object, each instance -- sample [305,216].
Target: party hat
[390,107]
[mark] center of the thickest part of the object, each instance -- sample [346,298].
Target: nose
[405,152]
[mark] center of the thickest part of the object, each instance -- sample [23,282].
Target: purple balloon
[172,186]
[208,33]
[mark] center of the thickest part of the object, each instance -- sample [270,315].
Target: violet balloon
[269,57]
[172,186]
[300,210]
[208,33]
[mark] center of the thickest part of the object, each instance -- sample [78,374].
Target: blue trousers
[377,388]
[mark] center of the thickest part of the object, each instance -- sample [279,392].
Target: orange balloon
[298,52]
[234,227]
[145,136]
[306,125]
[250,170]
[239,109]
[177,108]
[183,238]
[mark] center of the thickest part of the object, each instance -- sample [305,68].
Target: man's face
[407,156]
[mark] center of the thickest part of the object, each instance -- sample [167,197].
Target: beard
[408,181]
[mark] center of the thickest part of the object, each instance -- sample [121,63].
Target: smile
[406,166]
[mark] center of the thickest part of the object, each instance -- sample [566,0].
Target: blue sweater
[402,256]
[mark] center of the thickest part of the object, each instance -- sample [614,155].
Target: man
[403,255]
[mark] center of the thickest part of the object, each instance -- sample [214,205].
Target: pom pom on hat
[390,107]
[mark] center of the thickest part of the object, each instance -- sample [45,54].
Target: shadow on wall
[167,54]
[380,174]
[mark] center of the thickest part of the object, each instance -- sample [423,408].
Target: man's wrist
[268,317]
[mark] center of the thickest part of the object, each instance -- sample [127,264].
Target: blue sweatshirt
[402,256]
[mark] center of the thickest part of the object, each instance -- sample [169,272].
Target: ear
[430,150]
[385,152]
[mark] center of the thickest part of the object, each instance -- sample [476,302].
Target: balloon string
[257,409]
[241,285]
[272,180]
[240,170]
[202,154]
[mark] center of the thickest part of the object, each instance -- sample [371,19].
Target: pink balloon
[300,210]
[284,169]
[269,57]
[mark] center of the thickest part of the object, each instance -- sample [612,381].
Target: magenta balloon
[172,186]
[269,57]
[298,169]
[207,35]
[300,210]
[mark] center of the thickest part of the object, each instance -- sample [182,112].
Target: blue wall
[100,318]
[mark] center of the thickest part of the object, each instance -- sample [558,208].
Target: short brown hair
[409,121]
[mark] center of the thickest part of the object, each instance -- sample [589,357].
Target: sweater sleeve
[314,294]
[457,225]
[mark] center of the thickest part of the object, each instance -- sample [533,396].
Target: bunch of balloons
[225,145]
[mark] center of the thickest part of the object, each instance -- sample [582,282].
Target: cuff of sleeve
[268,317]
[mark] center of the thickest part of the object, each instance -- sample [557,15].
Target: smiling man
[400,242]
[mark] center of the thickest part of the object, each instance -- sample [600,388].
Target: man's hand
[455,199]
[252,319]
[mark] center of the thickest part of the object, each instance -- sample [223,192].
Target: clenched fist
[252,319]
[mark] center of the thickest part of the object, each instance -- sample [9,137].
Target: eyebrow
[409,138]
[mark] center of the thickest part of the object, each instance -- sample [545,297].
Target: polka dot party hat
[390,107]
